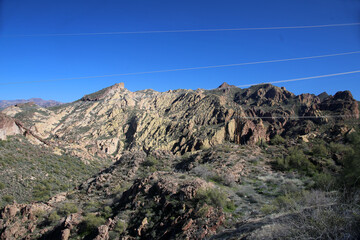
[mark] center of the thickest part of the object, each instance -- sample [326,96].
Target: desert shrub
[215,198]
[277,140]
[262,143]
[120,226]
[2,186]
[92,206]
[202,211]
[324,181]
[319,150]
[296,160]
[211,197]
[8,198]
[268,209]
[338,148]
[106,212]
[53,217]
[67,209]
[350,176]
[90,224]
[339,222]
[316,215]
[39,213]
[202,171]
[286,202]
[223,179]
[229,206]
[150,161]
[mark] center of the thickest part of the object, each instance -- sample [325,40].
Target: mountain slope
[115,119]
[227,163]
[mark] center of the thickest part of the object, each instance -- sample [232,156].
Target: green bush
[67,209]
[150,161]
[8,198]
[211,197]
[296,160]
[215,198]
[268,209]
[2,186]
[262,143]
[338,148]
[53,217]
[277,140]
[324,181]
[90,223]
[351,170]
[320,150]
[120,226]
[106,212]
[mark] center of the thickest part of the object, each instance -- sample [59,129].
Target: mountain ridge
[185,164]
[38,101]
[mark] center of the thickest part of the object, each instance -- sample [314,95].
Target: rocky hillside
[228,163]
[37,101]
[115,119]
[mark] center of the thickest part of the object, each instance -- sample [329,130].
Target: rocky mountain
[227,163]
[37,101]
[115,119]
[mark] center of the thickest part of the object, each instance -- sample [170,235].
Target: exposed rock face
[17,227]
[226,85]
[8,127]
[115,119]
[342,103]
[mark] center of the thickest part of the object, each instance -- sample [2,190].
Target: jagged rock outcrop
[8,127]
[115,119]
[341,103]
[18,220]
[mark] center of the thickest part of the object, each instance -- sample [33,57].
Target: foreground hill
[228,163]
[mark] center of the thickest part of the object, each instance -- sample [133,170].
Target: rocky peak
[263,94]
[342,103]
[226,85]
[344,95]
[103,93]
[323,96]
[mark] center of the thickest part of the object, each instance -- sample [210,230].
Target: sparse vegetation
[67,208]
[90,224]
[277,140]
[38,172]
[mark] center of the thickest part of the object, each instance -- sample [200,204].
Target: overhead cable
[187,30]
[187,69]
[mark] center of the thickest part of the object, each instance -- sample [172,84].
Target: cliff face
[115,119]
[8,127]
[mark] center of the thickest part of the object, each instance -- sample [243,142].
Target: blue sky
[36,58]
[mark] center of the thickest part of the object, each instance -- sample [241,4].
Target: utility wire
[190,68]
[301,79]
[188,30]
[304,117]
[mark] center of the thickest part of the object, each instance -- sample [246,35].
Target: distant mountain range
[37,101]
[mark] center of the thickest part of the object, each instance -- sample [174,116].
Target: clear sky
[33,58]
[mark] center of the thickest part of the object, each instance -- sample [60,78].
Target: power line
[304,117]
[186,69]
[301,79]
[189,30]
